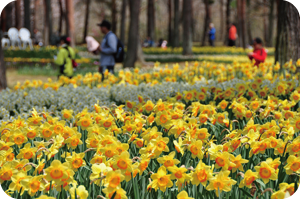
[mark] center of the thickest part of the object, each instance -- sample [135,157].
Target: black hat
[66,39]
[105,23]
[258,40]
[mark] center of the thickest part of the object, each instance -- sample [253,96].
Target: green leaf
[114,195]
[261,183]
[245,192]
[220,197]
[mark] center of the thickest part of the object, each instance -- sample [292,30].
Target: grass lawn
[13,77]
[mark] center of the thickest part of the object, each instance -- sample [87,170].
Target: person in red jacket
[259,54]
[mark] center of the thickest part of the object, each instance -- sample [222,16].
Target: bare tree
[27,21]
[18,14]
[176,24]
[187,27]
[34,15]
[250,38]
[271,23]
[221,19]
[86,21]
[241,7]
[133,34]
[114,16]
[123,21]
[70,18]
[207,20]
[151,20]
[3,21]
[3,82]
[46,22]
[243,22]
[170,31]
[227,20]
[61,16]
[66,14]
[9,15]
[265,21]
[288,36]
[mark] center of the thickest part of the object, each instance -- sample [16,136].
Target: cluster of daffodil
[229,59]
[35,48]
[203,50]
[190,73]
[238,142]
[41,60]
[159,83]
[37,55]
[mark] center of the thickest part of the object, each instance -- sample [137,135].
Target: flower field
[208,50]
[202,130]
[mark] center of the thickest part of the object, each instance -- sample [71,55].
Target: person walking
[259,54]
[65,57]
[212,34]
[232,35]
[107,48]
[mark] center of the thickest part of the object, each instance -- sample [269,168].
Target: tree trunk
[271,24]
[227,20]
[151,20]
[70,9]
[288,36]
[176,24]
[46,23]
[114,16]
[86,23]
[61,17]
[240,25]
[50,21]
[3,21]
[66,15]
[250,38]
[27,14]
[140,54]
[3,82]
[18,14]
[170,31]
[207,21]
[221,20]
[9,16]
[266,38]
[193,23]
[123,21]
[35,12]
[243,22]
[133,34]
[187,27]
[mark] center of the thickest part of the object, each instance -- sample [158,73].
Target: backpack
[74,63]
[119,55]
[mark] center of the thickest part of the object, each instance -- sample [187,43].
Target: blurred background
[167,31]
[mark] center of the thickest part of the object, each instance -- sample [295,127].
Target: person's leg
[213,43]
[103,69]
[110,69]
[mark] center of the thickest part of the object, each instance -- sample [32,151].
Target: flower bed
[204,50]
[200,131]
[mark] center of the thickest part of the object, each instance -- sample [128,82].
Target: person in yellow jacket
[64,57]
